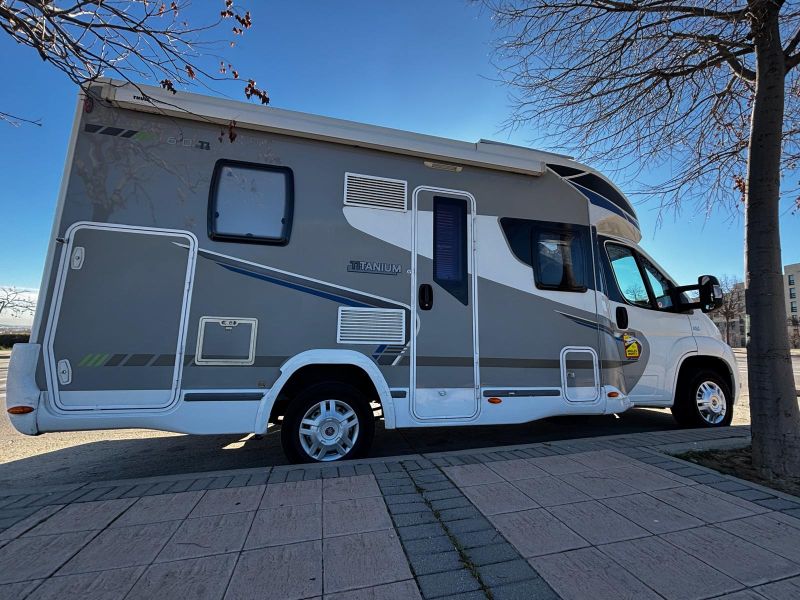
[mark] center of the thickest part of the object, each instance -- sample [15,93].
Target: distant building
[738,323]
[791,282]
[731,319]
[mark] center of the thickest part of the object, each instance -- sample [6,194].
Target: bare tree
[636,293]
[710,87]
[732,302]
[134,40]
[15,301]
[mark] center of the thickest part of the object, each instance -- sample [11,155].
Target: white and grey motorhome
[314,267]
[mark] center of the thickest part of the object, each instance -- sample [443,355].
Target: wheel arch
[316,365]
[696,362]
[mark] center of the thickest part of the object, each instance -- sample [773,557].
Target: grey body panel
[159,176]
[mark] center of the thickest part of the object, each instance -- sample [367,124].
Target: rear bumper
[22,390]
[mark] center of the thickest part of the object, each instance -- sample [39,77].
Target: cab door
[650,336]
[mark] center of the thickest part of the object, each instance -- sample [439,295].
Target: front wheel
[703,399]
[327,422]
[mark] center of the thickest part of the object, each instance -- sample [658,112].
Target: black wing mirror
[710,293]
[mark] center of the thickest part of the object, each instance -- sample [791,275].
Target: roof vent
[374,192]
[371,326]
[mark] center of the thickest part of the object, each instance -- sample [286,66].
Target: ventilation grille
[371,326]
[374,192]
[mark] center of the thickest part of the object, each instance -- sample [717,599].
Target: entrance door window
[450,246]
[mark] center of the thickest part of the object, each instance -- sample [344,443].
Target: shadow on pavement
[146,457]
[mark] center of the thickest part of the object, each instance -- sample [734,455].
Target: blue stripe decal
[378,351]
[603,202]
[588,323]
[300,288]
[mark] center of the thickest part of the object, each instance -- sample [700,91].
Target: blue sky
[416,65]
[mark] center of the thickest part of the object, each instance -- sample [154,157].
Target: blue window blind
[450,246]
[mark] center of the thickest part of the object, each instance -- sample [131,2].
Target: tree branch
[129,39]
[16,121]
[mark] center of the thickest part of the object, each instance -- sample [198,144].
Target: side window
[450,269]
[560,259]
[628,276]
[660,285]
[558,253]
[251,203]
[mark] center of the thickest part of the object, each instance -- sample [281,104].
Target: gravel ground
[71,457]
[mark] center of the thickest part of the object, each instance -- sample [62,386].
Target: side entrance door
[116,336]
[444,340]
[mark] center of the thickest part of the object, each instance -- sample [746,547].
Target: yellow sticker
[633,347]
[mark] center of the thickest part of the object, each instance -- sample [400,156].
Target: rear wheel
[703,399]
[327,422]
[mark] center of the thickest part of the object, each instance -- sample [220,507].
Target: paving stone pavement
[605,518]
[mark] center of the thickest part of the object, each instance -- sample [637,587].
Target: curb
[743,482]
[629,440]
[723,444]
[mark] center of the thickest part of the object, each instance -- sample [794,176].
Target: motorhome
[218,267]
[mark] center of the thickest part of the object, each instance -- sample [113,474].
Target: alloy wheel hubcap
[711,402]
[329,430]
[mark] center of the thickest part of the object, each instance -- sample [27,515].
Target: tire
[703,399]
[328,404]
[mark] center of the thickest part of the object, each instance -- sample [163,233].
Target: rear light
[20,410]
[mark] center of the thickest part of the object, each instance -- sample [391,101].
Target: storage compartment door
[117,337]
[580,374]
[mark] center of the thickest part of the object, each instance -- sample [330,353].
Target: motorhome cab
[311,268]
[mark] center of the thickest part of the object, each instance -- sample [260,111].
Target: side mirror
[710,293]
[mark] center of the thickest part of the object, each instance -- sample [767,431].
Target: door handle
[622,317]
[425,296]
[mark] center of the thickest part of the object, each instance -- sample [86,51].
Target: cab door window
[628,275]
[660,285]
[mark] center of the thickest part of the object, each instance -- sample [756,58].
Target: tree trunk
[773,405]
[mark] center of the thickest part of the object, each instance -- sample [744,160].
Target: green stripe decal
[101,358]
[94,360]
[86,360]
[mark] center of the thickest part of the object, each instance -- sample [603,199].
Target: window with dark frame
[251,203]
[558,253]
[450,254]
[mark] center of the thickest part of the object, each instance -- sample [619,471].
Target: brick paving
[602,518]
